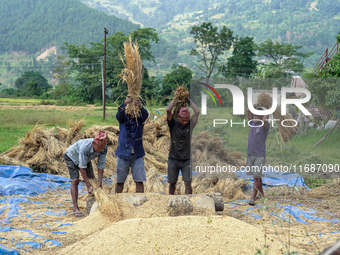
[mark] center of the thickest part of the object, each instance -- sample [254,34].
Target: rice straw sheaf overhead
[287,131]
[181,97]
[132,74]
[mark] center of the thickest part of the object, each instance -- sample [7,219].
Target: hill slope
[30,25]
[313,24]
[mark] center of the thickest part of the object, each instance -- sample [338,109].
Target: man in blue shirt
[130,151]
[78,158]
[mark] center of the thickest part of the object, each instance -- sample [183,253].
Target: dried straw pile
[43,149]
[180,99]
[108,207]
[132,74]
[176,235]
[286,133]
[328,192]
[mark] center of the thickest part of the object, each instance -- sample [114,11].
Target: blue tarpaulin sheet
[274,178]
[7,251]
[20,180]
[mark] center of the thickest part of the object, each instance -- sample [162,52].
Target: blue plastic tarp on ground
[20,180]
[7,251]
[274,178]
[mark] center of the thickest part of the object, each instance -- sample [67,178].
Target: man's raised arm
[169,110]
[196,111]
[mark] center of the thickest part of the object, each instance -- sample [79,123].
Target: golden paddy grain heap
[176,235]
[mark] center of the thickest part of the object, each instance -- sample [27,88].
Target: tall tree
[241,63]
[210,44]
[284,56]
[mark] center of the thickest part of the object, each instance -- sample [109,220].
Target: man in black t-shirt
[179,154]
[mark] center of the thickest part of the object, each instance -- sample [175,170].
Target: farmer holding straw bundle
[131,117]
[78,158]
[130,151]
[259,127]
[179,154]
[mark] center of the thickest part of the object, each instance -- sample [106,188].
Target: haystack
[327,192]
[287,131]
[132,74]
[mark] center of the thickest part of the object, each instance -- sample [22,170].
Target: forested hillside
[31,25]
[310,23]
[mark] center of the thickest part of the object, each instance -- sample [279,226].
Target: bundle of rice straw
[132,74]
[108,207]
[181,97]
[286,132]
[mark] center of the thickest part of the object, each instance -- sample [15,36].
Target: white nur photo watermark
[238,100]
[312,168]
[224,122]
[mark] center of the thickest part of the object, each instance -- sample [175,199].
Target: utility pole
[105,32]
[103,94]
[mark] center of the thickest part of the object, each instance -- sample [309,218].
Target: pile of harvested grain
[179,235]
[132,74]
[180,100]
[287,131]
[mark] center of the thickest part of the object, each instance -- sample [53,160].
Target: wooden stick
[323,138]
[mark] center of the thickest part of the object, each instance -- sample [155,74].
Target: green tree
[210,44]
[284,56]
[28,76]
[241,63]
[179,75]
[32,89]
